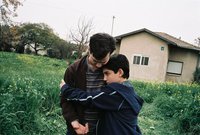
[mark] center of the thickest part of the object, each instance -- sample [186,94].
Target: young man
[117,100]
[86,74]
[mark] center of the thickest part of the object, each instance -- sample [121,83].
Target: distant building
[157,56]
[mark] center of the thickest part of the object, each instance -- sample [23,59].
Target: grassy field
[29,100]
[29,88]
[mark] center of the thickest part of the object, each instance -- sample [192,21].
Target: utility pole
[113,18]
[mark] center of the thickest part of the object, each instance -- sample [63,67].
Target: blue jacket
[119,103]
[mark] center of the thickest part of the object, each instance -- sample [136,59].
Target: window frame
[175,73]
[141,58]
[135,61]
[143,61]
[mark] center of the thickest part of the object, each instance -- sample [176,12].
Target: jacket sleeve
[105,99]
[68,110]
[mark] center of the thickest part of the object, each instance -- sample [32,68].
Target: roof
[163,36]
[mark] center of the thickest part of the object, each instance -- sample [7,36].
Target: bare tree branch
[81,35]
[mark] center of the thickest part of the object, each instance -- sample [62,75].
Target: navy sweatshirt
[119,103]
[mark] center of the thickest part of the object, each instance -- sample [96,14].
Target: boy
[119,104]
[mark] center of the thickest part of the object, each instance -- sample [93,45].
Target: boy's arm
[105,99]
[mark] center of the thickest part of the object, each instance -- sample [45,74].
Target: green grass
[29,100]
[169,109]
[152,123]
[29,88]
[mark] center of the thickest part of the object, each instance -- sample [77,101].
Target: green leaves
[38,36]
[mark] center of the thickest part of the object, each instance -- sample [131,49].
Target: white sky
[179,18]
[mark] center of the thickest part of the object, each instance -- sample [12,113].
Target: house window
[140,60]
[145,61]
[175,67]
[136,60]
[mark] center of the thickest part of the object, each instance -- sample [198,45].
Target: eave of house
[170,40]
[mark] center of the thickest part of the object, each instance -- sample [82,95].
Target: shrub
[197,75]
[148,91]
[179,102]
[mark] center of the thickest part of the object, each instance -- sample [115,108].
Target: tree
[8,37]
[81,35]
[64,48]
[5,40]
[197,41]
[36,36]
[60,49]
[8,9]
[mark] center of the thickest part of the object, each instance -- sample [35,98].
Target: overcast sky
[179,18]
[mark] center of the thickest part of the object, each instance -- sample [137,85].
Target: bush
[179,102]
[53,53]
[197,75]
[148,91]
[19,108]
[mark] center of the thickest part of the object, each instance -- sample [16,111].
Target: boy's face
[110,76]
[98,63]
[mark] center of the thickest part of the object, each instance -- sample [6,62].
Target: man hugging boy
[118,102]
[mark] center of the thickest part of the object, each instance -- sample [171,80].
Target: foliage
[31,38]
[37,36]
[179,102]
[8,10]
[8,37]
[29,101]
[197,75]
[61,49]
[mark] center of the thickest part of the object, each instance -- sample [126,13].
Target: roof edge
[145,30]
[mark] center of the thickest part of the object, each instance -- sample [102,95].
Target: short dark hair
[101,44]
[116,62]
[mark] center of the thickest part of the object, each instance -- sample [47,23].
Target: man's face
[98,63]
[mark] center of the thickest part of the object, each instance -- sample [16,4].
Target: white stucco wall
[146,45]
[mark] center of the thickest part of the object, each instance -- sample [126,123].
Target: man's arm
[68,109]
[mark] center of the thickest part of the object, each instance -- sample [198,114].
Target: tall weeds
[29,100]
[180,102]
[29,95]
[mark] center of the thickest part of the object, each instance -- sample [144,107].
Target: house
[157,56]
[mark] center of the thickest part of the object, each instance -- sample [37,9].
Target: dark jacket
[75,76]
[120,104]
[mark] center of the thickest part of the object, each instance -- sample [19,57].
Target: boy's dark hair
[116,62]
[101,44]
